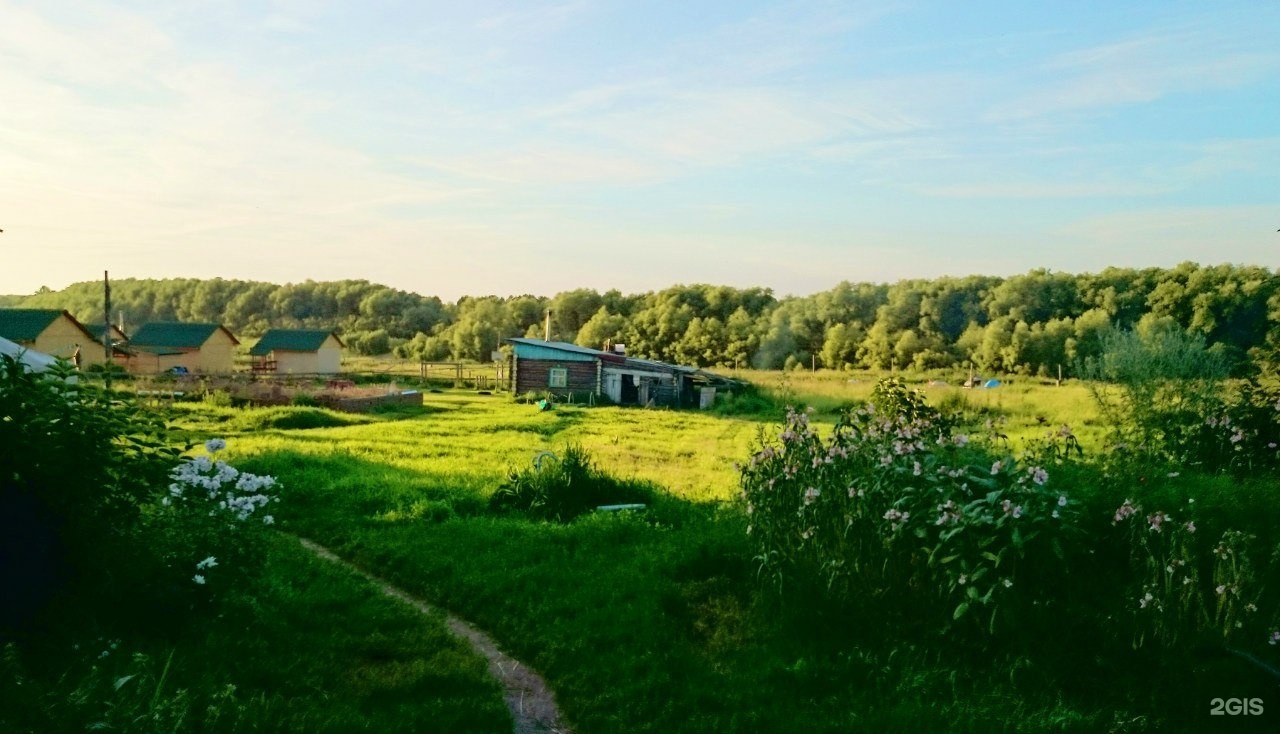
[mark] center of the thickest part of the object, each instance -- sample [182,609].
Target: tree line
[1025,324]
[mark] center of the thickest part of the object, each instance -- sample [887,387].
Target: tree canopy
[1029,323]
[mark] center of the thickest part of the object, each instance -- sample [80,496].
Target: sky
[469,148]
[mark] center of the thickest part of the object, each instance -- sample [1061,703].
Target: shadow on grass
[656,621]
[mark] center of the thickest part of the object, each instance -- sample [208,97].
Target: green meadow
[641,621]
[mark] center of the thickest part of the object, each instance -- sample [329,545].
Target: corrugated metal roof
[661,366]
[533,348]
[291,340]
[559,346]
[175,335]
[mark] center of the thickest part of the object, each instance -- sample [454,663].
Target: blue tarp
[991,383]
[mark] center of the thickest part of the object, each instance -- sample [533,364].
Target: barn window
[559,377]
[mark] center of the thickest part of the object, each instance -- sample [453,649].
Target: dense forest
[1025,324]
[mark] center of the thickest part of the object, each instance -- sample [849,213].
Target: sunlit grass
[656,621]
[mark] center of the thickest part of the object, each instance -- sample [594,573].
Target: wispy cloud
[1046,190]
[1136,70]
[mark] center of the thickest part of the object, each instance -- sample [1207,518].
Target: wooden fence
[465,374]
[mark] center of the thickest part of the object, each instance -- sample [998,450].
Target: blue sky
[500,147]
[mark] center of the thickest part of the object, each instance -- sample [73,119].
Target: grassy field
[312,648]
[655,621]
[652,621]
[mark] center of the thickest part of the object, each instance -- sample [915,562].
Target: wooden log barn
[581,374]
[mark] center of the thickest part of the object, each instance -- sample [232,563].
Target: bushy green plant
[895,505]
[1183,593]
[304,400]
[294,417]
[209,523]
[107,689]
[218,399]
[1167,403]
[892,396]
[561,487]
[76,464]
[747,399]
[1240,434]
[1154,387]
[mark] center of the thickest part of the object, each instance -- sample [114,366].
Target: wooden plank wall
[533,375]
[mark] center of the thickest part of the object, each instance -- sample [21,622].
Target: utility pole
[106,330]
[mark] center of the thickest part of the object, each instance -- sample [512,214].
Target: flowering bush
[1182,593]
[210,517]
[1240,435]
[895,503]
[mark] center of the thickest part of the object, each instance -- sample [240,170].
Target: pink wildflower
[1155,521]
[1125,511]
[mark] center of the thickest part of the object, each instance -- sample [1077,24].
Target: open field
[656,621]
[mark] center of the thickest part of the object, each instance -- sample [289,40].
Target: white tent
[35,361]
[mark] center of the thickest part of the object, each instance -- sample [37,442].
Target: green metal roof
[25,324]
[174,335]
[291,340]
[96,330]
[158,351]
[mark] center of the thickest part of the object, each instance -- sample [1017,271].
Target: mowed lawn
[653,621]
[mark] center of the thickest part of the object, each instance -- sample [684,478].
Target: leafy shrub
[1153,387]
[103,369]
[218,399]
[76,464]
[747,399]
[304,400]
[293,418]
[1166,400]
[1182,593]
[891,396]
[563,487]
[893,505]
[1240,435]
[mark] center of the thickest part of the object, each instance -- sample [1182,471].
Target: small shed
[562,369]
[161,346]
[569,370]
[298,351]
[53,332]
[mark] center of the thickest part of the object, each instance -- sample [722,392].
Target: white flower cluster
[226,489]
